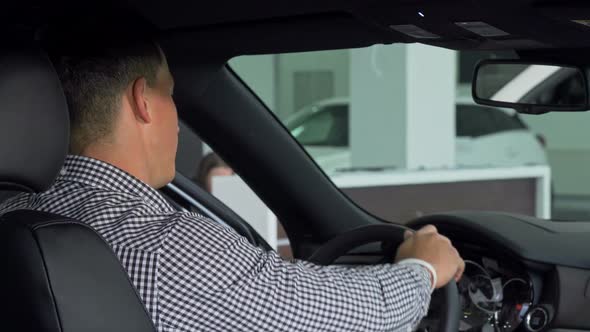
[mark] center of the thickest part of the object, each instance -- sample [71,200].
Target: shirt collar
[96,173]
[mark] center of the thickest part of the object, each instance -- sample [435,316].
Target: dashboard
[522,274]
[495,293]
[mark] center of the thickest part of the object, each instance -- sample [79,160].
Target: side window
[204,167]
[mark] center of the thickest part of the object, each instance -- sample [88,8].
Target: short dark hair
[95,74]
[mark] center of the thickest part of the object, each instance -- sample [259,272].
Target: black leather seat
[57,274]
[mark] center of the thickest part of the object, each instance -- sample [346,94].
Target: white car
[485,136]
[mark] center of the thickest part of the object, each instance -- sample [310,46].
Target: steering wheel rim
[389,233]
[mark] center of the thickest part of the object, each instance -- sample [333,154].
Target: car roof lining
[312,25]
[240,28]
[529,30]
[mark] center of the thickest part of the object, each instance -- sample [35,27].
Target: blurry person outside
[211,165]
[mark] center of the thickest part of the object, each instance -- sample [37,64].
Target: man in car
[192,273]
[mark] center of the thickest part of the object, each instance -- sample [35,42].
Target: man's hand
[426,244]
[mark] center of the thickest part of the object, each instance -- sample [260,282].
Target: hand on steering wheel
[429,246]
[392,234]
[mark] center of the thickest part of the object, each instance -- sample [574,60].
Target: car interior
[60,275]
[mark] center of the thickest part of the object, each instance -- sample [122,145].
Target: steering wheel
[391,235]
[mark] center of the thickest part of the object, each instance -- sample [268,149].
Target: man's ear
[140,101]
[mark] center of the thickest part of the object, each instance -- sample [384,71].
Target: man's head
[119,93]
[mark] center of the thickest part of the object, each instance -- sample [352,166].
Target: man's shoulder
[185,224]
[194,220]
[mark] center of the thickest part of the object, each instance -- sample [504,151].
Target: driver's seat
[58,274]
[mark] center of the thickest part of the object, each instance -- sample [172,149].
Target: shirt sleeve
[210,278]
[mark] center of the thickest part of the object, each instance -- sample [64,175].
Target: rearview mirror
[530,87]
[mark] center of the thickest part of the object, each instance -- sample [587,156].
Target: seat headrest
[34,123]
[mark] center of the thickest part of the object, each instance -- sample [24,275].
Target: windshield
[320,125]
[395,127]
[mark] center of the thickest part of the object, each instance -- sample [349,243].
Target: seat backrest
[58,274]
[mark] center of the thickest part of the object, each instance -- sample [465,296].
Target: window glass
[206,169]
[391,124]
[475,121]
[320,126]
[316,130]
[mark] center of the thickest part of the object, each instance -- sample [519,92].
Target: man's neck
[125,158]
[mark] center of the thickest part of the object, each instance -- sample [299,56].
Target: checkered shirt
[196,275]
